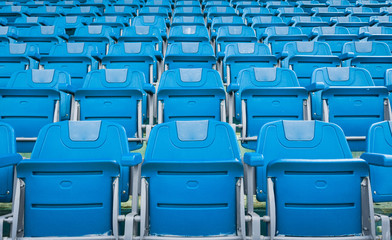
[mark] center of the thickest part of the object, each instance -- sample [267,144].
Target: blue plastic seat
[187,3]
[141,56]
[241,5]
[117,23]
[154,21]
[131,3]
[116,95]
[341,5]
[83,11]
[191,94]
[351,23]
[120,11]
[307,6]
[305,57]
[188,21]
[327,12]
[308,23]
[259,24]
[373,4]
[381,34]
[262,95]
[188,34]
[100,4]
[218,22]
[287,13]
[239,56]
[27,22]
[8,159]
[65,4]
[160,3]
[13,12]
[15,57]
[214,12]
[187,11]
[71,23]
[198,196]
[46,11]
[190,55]
[75,58]
[215,3]
[376,57]
[233,34]
[336,37]
[35,4]
[250,12]
[7,34]
[101,36]
[76,172]
[148,34]
[350,99]
[381,21]
[277,37]
[155,11]
[364,13]
[44,37]
[274,5]
[33,98]
[378,156]
[385,11]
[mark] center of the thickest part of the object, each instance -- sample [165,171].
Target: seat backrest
[379,138]
[198,162]
[218,22]
[342,76]
[188,34]
[125,11]
[370,48]
[156,21]
[86,11]
[7,146]
[101,36]
[188,20]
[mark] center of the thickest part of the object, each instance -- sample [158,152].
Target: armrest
[346,56]
[378,159]
[10,159]
[364,35]
[282,55]
[131,159]
[67,88]
[149,88]
[388,83]
[373,22]
[158,55]
[316,86]
[233,87]
[220,56]
[213,35]
[254,159]
[313,35]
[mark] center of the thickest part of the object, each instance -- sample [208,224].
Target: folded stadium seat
[75,58]
[131,3]
[27,22]
[100,36]
[154,21]
[7,34]
[16,57]
[191,94]
[33,98]
[305,57]
[190,55]
[141,56]
[209,4]
[120,11]
[116,95]
[250,12]
[374,4]
[160,3]
[386,11]
[308,23]
[350,99]
[214,12]
[71,23]
[259,24]
[381,21]
[100,4]
[8,159]
[187,21]
[364,13]
[65,4]
[49,12]
[84,11]
[351,23]
[6,3]
[238,56]
[35,4]
[187,3]
[218,22]
[376,57]
[302,165]
[262,95]
[148,34]
[277,37]
[201,196]
[155,11]
[274,5]
[341,5]
[241,5]
[44,37]
[232,34]
[307,6]
[75,176]
[336,37]
[117,23]
[287,13]
[13,12]
[327,12]
[188,34]
[381,34]
[378,156]
[187,11]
